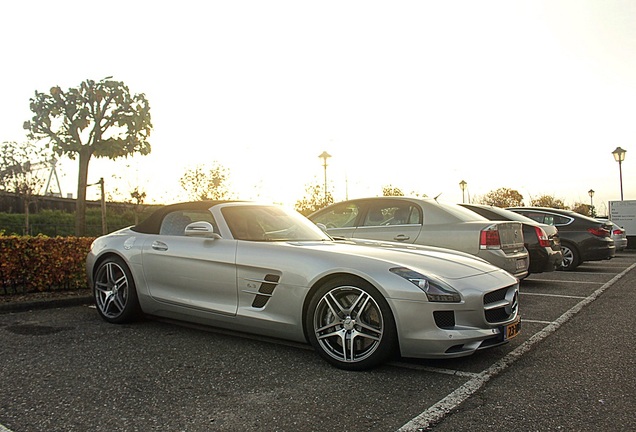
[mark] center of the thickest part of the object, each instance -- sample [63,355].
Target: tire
[115,293]
[571,257]
[351,325]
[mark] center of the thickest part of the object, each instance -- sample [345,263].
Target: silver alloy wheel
[348,324]
[568,257]
[111,289]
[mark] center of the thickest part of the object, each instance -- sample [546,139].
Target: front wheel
[570,257]
[114,292]
[351,325]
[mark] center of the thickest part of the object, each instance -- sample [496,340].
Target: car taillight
[544,241]
[618,232]
[599,232]
[489,238]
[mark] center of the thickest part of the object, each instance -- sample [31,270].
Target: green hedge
[37,264]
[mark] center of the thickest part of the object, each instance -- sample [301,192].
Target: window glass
[174,223]
[378,215]
[538,217]
[561,220]
[391,213]
[340,216]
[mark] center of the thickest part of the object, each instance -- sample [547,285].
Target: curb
[45,304]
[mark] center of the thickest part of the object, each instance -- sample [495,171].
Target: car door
[390,220]
[192,272]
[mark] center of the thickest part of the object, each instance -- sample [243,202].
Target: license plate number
[521,264]
[513,330]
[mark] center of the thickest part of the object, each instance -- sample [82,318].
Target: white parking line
[565,281]
[437,412]
[552,295]
[535,321]
[4,429]
[443,371]
[594,273]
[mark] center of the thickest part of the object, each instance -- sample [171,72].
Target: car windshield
[270,223]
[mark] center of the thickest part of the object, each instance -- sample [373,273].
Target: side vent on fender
[268,284]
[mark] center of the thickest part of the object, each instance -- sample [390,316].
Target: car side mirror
[201,229]
[322,226]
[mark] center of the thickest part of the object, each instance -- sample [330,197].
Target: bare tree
[502,197]
[18,174]
[391,190]
[584,209]
[314,199]
[202,183]
[548,201]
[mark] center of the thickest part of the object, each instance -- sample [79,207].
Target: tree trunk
[82,183]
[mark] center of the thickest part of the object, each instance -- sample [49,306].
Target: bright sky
[530,95]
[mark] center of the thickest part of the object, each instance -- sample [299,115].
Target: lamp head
[619,154]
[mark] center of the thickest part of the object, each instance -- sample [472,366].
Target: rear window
[441,213]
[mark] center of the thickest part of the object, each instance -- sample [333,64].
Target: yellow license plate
[512,330]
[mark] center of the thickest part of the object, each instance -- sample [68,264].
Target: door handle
[401,237]
[158,245]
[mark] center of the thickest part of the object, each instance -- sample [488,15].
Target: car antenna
[438,195]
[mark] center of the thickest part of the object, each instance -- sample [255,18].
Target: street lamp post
[619,156]
[462,186]
[324,156]
[591,194]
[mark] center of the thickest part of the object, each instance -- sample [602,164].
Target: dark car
[541,240]
[582,238]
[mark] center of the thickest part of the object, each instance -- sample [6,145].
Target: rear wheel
[351,325]
[570,257]
[114,292]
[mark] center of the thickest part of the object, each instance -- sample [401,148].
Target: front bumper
[447,330]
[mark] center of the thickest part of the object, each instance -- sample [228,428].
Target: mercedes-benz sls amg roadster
[265,269]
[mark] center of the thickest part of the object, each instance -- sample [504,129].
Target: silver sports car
[268,270]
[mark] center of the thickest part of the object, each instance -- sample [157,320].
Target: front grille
[496,315]
[502,304]
[495,296]
[444,319]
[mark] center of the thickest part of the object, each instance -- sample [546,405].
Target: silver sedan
[429,222]
[267,270]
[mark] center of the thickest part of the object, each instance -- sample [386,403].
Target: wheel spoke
[110,278]
[121,282]
[371,332]
[334,305]
[108,302]
[119,302]
[364,300]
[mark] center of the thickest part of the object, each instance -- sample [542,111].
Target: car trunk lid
[507,236]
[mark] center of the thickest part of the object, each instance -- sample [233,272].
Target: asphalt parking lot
[572,368]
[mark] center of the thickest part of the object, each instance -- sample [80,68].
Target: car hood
[446,263]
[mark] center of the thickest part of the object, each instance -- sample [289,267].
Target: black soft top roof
[152,223]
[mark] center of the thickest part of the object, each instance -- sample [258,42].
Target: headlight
[436,291]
